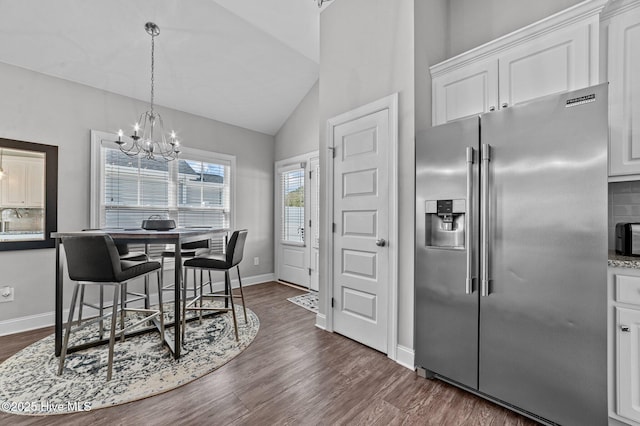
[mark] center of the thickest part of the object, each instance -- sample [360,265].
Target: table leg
[59,295]
[177,298]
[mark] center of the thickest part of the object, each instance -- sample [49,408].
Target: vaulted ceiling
[243,62]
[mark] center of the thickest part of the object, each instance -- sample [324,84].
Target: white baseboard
[46,319]
[405,357]
[321,321]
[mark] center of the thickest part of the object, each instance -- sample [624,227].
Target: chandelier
[148,138]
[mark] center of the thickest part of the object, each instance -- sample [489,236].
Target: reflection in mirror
[28,194]
[21,195]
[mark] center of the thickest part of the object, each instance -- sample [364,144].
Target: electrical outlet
[256,261]
[6,294]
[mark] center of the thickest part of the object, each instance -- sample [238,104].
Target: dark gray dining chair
[218,262]
[94,260]
[132,296]
[187,251]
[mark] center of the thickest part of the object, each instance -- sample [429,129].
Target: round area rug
[142,368]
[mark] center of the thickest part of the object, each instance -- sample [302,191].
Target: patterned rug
[29,384]
[309,301]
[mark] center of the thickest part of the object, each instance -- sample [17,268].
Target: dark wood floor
[293,373]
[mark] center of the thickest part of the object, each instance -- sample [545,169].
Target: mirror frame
[50,195]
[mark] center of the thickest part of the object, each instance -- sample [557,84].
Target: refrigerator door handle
[467,237]
[484,220]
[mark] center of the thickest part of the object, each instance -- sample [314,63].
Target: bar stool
[132,296]
[94,260]
[218,262]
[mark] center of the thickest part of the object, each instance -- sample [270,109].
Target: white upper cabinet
[621,38]
[465,91]
[23,184]
[557,54]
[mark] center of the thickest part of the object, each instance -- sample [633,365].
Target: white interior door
[292,254]
[361,218]
[313,230]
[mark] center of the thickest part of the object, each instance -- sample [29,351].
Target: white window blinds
[292,199]
[195,190]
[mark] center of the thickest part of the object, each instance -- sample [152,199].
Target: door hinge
[333,227]
[309,174]
[333,151]
[309,271]
[309,223]
[332,302]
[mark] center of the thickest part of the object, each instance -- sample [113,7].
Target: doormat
[29,384]
[309,301]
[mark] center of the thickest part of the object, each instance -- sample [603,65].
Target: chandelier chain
[153,60]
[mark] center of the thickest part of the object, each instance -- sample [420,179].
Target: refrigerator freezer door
[543,323]
[446,306]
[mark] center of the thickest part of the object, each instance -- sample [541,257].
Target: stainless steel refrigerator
[511,256]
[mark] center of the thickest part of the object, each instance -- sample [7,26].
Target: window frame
[98,170]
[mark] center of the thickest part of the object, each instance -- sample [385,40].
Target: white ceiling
[243,62]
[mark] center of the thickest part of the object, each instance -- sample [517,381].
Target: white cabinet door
[628,363]
[35,183]
[14,183]
[466,91]
[555,63]
[623,68]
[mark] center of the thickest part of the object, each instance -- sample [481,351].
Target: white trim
[389,103]
[47,319]
[405,357]
[321,321]
[280,166]
[580,12]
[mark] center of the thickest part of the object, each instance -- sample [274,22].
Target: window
[195,190]
[292,212]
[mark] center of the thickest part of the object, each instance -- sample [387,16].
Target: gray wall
[38,108]
[366,53]
[299,134]
[473,23]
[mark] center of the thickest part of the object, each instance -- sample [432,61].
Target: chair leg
[65,344]
[210,282]
[244,305]
[184,304]
[81,305]
[227,278]
[200,293]
[147,300]
[160,306]
[123,298]
[112,335]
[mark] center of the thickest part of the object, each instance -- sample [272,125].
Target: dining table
[175,237]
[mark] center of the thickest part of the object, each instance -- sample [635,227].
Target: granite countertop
[620,261]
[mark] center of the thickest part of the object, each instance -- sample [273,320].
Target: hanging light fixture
[1,169]
[148,137]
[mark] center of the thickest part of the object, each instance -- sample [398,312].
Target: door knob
[380,242]
[624,328]
[492,108]
[505,105]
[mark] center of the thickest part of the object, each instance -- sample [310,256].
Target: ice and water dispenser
[445,223]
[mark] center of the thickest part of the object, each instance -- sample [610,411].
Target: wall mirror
[28,195]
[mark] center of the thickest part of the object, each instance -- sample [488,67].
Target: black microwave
[628,239]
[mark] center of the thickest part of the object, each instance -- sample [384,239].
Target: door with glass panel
[291,199]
